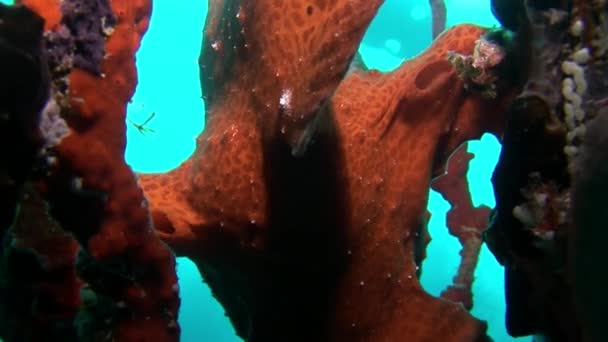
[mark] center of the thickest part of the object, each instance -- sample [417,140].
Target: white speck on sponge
[285,101]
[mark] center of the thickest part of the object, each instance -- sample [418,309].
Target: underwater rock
[589,228]
[22,97]
[545,211]
[588,240]
[509,13]
[40,291]
[512,13]
[27,304]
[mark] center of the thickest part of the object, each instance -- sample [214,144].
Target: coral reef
[304,203]
[81,260]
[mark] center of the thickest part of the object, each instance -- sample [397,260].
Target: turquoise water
[169,86]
